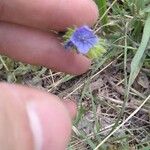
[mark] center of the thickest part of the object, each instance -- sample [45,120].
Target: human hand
[25,36]
[28,39]
[33,120]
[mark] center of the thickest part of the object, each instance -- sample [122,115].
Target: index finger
[49,14]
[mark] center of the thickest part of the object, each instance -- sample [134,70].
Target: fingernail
[35,125]
[50,124]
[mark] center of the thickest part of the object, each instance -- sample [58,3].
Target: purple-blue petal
[69,44]
[83,49]
[83,39]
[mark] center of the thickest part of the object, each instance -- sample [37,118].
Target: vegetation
[114,95]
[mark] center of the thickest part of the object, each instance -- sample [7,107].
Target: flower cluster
[84,41]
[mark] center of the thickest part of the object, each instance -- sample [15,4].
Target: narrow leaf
[138,59]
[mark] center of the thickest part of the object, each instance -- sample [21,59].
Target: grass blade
[102,5]
[138,59]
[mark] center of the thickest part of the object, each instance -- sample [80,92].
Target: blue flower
[83,39]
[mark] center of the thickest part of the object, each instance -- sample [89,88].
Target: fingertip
[89,13]
[80,65]
[83,12]
[68,61]
[50,124]
[71,107]
[41,119]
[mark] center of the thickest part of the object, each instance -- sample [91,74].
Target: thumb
[33,120]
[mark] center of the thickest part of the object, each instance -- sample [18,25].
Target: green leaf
[102,6]
[98,50]
[147,9]
[139,57]
[68,34]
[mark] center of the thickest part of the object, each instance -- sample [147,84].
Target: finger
[53,14]
[32,119]
[39,48]
[72,107]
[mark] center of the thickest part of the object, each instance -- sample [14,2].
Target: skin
[25,36]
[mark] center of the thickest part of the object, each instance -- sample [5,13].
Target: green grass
[102,5]
[113,96]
